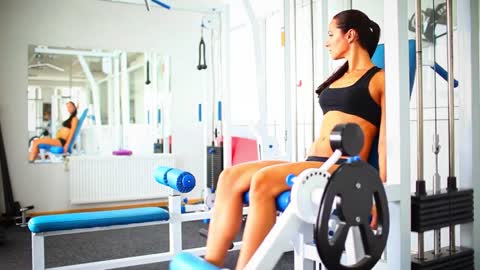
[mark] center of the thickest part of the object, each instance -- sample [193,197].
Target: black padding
[348,138]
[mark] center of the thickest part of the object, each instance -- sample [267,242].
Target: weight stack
[214,165]
[436,211]
[460,259]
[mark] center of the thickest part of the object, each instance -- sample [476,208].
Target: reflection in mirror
[114,101]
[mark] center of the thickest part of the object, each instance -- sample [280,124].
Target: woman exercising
[64,134]
[355,93]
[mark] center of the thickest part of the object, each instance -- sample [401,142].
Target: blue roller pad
[179,180]
[51,148]
[281,202]
[44,146]
[96,219]
[187,261]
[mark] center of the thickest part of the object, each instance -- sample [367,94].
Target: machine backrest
[77,130]
[378,59]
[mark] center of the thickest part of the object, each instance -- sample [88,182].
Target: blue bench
[96,219]
[179,181]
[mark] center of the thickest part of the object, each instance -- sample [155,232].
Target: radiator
[116,178]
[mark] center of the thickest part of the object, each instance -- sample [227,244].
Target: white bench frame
[175,240]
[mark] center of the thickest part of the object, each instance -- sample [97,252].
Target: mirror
[122,101]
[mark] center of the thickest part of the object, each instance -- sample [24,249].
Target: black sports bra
[354,99]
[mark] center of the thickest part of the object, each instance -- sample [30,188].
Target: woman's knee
[229,179]
[261,186]
[35,143]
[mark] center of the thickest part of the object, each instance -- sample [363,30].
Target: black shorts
[62,141]
[323,159]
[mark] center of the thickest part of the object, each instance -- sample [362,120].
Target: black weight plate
[356,184]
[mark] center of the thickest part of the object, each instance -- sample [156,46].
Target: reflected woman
[64,134]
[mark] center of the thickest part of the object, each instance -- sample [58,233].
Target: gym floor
[15,252]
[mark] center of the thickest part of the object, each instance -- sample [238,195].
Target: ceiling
[65,68]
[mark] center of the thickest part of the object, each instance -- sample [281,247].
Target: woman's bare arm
[382,140]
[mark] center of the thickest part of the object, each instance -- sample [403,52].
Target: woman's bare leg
[266,185]
[45,140]
[227,212]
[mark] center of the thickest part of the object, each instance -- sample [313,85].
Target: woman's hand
[65,148]
[374,222]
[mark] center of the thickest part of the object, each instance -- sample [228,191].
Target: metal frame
[398,134]
[176,218]
[397,102]
[467,42]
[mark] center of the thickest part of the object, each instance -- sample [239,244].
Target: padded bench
[178,180]
[96,219]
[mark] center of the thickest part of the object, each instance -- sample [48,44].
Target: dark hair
[368,35]
[67,123]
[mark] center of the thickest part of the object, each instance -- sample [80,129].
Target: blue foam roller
[160,174]
[187,261]
[180,180]
[283,200]
[289,179]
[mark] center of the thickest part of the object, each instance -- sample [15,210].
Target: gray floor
[15,252]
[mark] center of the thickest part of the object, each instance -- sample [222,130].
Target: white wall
[92,24]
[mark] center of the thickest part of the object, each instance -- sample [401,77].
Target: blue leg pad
[282,201]
[187,261]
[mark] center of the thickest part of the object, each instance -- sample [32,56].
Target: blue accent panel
[148,117]
[378,59]
[219,111]
[159,116]
[179,180]
[283,200]
[200,112]
[161,4]
[353,159]
[443,73]
[77,131]
[187,261]
[96,219]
